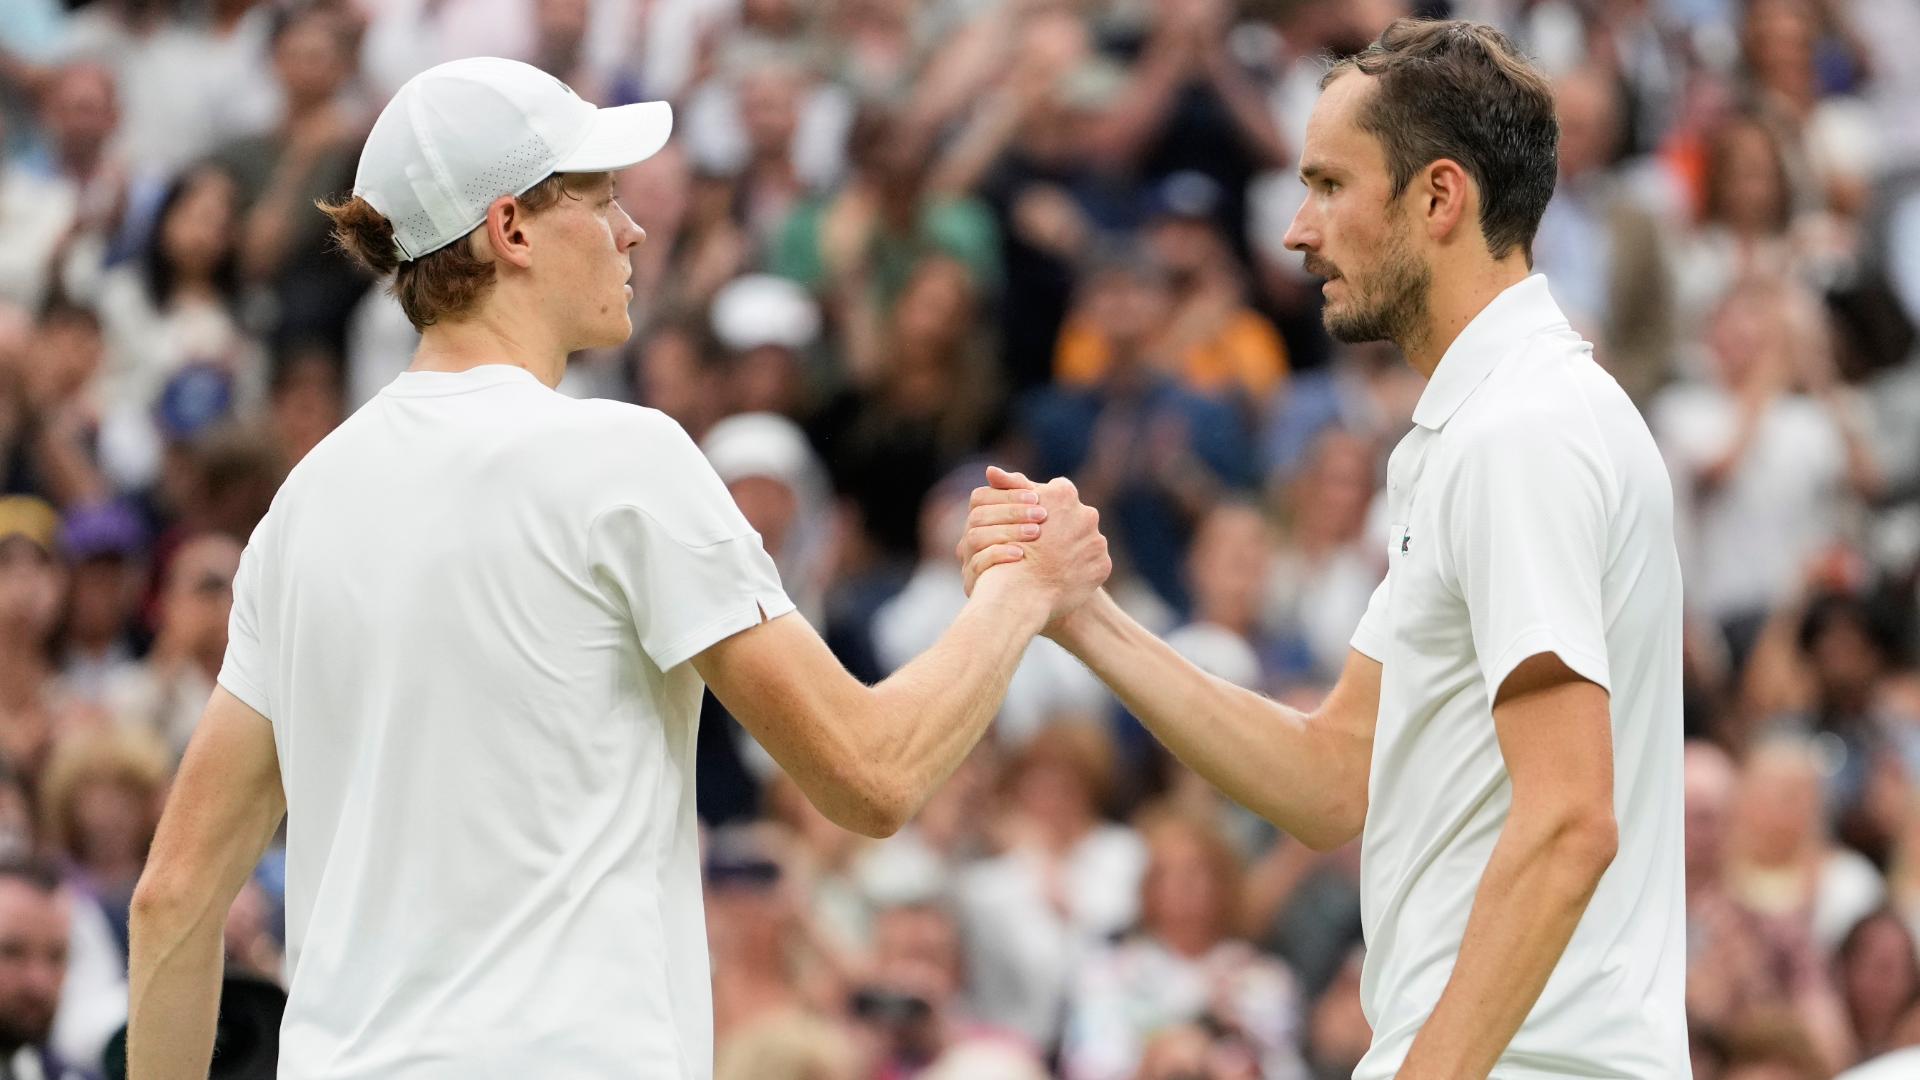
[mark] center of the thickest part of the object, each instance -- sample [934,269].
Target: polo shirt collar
[1521,310]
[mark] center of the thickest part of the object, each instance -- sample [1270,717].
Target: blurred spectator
[1781,43]
[1325,567]
[920,401]
[101,805]
[1197,1051]
[307,401]
[1768,458]
[789,1046]
[1747,211]
[769,124]
[36,213]
[1153,455]
[177,310]
[165,694]
[105,548]
[1878,971]
[1743,961]
[860,247]
[751,915]
[1185,964]
[1599,247]
[912,1005]
[35,921]
[80,113]
[1337,1032]
[1064,882]
[1228,569]
[30,589]
[766,324]
[1782,864]
[1210,341]
[1771,1047]
[55,422]
[280,172]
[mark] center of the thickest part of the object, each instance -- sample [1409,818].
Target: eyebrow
[1312,171]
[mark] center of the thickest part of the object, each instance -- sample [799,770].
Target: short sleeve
[1370,637]
[246,672]
[1529,536]
[689,570]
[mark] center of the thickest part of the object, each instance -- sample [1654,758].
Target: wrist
[1074,630]
[1028,603]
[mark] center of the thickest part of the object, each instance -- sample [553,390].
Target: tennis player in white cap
[468,645]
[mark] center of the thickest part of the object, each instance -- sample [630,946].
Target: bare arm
[223,810]
[1305,772]
[1560,837]
[868,757]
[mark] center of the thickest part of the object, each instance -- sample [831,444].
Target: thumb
[1007,481]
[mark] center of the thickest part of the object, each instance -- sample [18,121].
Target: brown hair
[1463,91]
[124,757]
[441,284]
[1163,824]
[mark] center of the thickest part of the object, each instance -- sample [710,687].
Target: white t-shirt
[1748,543]
[1531,514]
[468,616]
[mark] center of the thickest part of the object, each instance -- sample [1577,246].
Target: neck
[1458,293]
[490,338]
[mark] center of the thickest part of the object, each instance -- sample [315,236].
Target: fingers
[1020,513]
[988,496]
[1001,478]
[1024,532]
[989,557]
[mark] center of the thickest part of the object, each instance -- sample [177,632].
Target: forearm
[1305,776]
[174,997]
[1535,888]
[921,722]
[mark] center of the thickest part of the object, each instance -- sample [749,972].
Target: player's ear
[1444,196]
[505,232]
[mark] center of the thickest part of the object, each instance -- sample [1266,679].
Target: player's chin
[612,331]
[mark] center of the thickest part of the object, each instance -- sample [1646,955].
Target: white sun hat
[460,135]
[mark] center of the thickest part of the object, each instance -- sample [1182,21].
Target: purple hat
[109,528]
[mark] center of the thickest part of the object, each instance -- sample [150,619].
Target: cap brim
[621,136]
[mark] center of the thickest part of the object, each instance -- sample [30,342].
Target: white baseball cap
[460,135]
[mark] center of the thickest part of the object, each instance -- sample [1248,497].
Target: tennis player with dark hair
[468,645]
[1505,739]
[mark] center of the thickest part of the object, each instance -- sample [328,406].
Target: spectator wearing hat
[35,921]
[766,325]
[104,546]
[31,580]
[1211,341]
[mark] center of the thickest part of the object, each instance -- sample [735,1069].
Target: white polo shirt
[468,617]
[1531,513]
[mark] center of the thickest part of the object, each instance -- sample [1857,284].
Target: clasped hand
[1005,527]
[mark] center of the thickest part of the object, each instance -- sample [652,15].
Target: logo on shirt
[1405,539]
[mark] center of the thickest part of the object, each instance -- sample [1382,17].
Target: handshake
[1005,524]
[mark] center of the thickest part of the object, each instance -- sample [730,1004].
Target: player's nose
[1303,233]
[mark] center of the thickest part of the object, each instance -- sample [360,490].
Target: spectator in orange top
[1211,341]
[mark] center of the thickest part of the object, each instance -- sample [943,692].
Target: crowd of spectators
[892,240]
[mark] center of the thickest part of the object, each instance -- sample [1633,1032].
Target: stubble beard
[1393,307]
